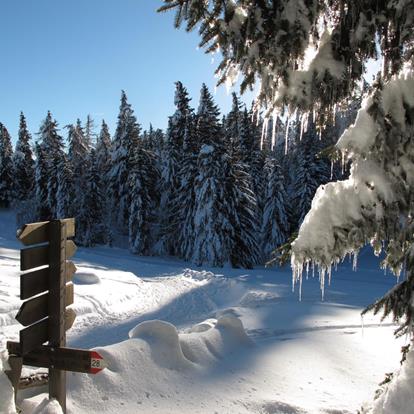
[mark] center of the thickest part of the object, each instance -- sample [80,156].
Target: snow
[399,396]
[6,390]
[207,340]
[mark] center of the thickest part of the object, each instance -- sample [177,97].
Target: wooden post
[57,285]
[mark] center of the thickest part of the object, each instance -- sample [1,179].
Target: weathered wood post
[57,305]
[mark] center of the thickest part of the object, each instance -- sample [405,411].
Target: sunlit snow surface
[221,341]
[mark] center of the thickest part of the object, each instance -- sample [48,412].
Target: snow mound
[211,345]
[255,298]
[277,407]
[85,278]
[198,275]
[6,390]
[203,345]
[164,343]
[398,398]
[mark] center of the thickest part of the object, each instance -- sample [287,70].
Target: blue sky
[73,57]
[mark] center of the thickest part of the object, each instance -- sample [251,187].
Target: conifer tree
[91,223]
[52,146]
[66,197]
[275,225]
[6,167]
[144,200]
[103,150]
[41,179]
[90,136]
[213,230]
[170,180]
[125,140]
[23,163]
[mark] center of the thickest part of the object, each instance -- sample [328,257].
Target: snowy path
[302,357]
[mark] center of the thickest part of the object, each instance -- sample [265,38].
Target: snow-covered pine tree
[66,198]
[275,224]
[231,124]
[172,158]
[245,250]
[23,163]
[78,151]
[213,230]
[186,194]
[90,221]
[103,150]
[143,179]
[6,168]
[90,136]
[52,145]
[41,179]
[125,140]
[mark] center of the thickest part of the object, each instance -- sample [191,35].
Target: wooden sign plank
[34,257]
[34,336]
[37,308]
[34,233]
[66,359]
[36,282]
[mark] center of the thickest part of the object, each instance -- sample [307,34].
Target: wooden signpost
[48,278]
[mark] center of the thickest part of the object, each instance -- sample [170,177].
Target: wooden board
[34,233]
[34,257]
[66,359]
[34,336]
[37,308]
[36,282]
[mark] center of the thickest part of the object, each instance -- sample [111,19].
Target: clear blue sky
[73,57]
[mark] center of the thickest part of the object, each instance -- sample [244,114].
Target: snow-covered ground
[181,339]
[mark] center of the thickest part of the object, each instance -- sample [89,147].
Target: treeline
[210,190]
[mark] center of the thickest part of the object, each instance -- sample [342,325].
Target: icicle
[264,131]
[274,118]
[355,261]
[286,135]
[300,289]
[322,272]
[307,270]
[332,168]
[313,269]
[329,275]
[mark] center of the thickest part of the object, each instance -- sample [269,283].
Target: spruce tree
[6,168]
[52,146]
[125,140]
[213,229]
[91,225]
[41,179]
[275,225]
[23,163]
[66,197]
[144,200]
[103,150]
[172,159]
